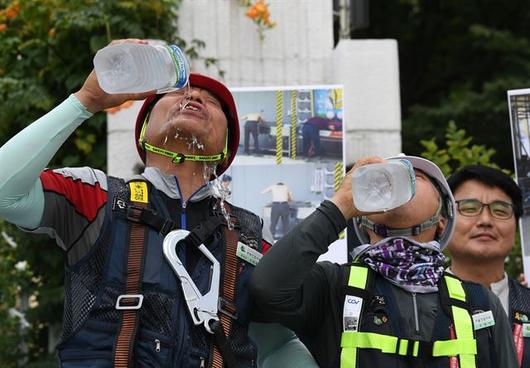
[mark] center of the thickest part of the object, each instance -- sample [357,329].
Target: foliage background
[457,60]
[46,51]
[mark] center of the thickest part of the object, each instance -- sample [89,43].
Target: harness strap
[464,345]
[221,349]
[132,300]
[405,347]
[143,215]
[462,321]
[357,285]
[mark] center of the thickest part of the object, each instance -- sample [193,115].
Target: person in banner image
[311,134]
[489,206]
[281,196]
[125,305]
[394,306]
[252,122]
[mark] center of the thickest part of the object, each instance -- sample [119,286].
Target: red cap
[229,107]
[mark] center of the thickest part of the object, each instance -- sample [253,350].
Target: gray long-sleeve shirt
[291,288]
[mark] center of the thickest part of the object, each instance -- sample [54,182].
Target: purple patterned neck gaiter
[413,266]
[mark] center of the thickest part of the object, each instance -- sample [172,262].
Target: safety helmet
[447,200]
[221,92]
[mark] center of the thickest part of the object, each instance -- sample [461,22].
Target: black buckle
[380,229]
[425,350]
[416,230]
[129,210]
[178,159]
[167,227]
[221,307]
[134,213]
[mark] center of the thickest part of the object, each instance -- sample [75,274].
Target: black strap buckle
[223,305]
[416,230]
[381,230]
[134,213]
[425,351]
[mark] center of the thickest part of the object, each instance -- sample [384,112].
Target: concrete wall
[298,51]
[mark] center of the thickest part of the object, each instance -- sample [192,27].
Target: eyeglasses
[473,207]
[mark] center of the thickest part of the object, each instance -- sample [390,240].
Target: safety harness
[131,301]
[222,309]
[463,346]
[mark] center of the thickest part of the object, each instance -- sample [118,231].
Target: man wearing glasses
[489,205]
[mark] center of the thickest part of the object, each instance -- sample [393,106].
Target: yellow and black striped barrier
[279,125]
[294,93]
[338,174]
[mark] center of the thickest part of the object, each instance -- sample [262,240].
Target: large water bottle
[383,186]
[135,68]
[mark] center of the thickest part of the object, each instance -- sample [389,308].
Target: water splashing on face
[220,192]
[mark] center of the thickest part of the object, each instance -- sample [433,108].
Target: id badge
[352,313]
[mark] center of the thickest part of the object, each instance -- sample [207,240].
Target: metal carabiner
[203,308]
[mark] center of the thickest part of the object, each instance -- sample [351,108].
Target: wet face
[188,121]
[419,209]
[482,236]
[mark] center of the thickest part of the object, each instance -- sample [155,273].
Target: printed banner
[290,157]
[519,107]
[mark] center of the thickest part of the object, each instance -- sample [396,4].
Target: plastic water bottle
[135,68]
[384,186]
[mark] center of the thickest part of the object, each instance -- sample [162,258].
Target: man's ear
[441,227]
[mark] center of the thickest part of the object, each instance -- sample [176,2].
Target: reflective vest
[454,341]
[165,335]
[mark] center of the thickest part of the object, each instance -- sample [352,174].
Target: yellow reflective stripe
[454,347]
[369,340]
[465,345]
[358,277]
[455,288]
[463,324]
[348,358]
[403,345]
[464,333]
[416,348]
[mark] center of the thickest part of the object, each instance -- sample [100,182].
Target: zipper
[183,219]
[157,345]
[184,204]
[416,319]
[203,362]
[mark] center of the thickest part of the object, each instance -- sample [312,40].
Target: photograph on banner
[290,156]
[519,107]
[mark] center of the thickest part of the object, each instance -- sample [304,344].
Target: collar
[500,286]
[168,184]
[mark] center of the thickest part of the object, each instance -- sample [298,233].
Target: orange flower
[13,10]
[252,13]
[3,27]
[261,7]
